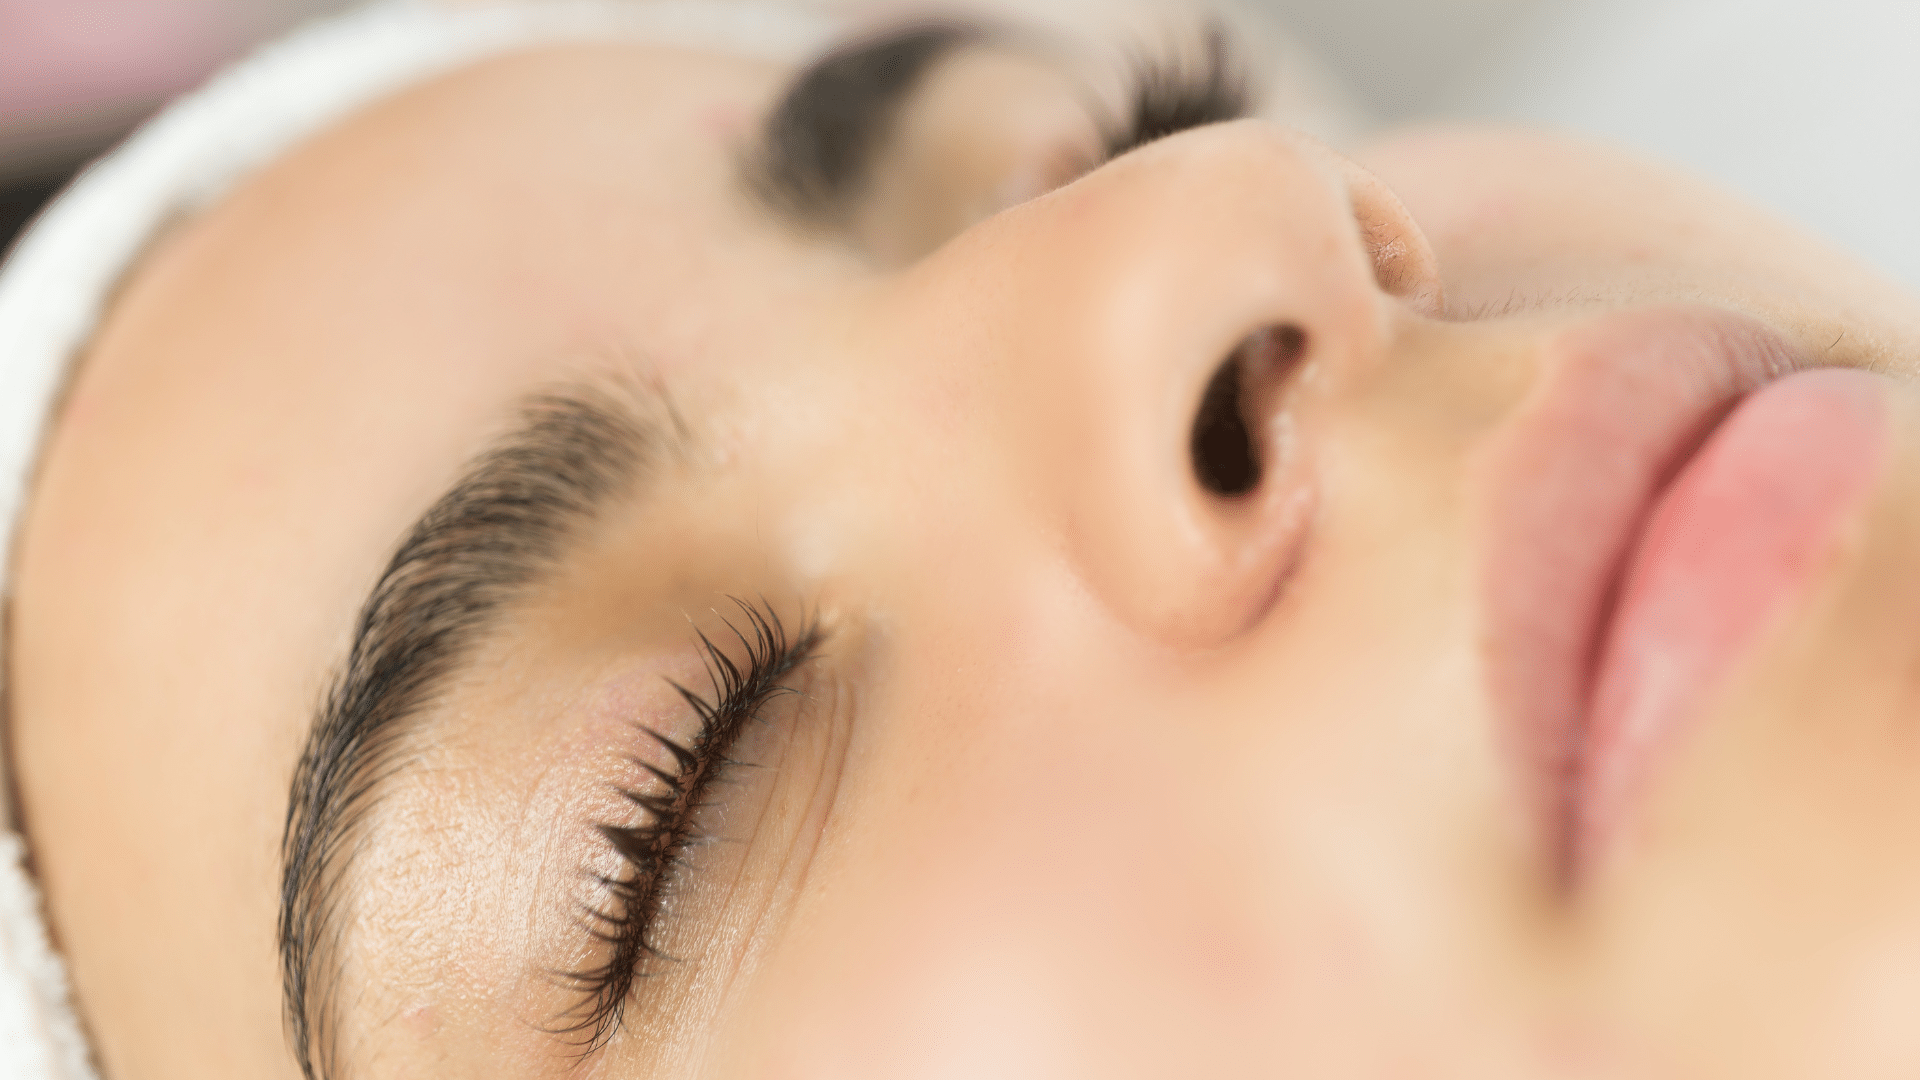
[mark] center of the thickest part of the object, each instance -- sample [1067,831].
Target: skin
[1071,790]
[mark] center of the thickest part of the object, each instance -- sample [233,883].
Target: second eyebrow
[821,138]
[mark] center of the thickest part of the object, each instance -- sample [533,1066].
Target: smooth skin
[1096,775]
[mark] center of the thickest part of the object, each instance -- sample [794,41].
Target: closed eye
[673,804]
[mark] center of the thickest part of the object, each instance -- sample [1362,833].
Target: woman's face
[1231,614]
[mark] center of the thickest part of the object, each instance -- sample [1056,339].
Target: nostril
[1226,452]
[1224,459]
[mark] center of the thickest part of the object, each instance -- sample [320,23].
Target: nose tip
[1208,286]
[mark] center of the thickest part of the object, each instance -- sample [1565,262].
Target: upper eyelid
[739,692]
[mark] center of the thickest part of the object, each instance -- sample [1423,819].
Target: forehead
[382,294]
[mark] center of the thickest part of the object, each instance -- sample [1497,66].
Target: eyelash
[653,850]
[1169,94]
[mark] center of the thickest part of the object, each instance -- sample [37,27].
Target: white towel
[64,269]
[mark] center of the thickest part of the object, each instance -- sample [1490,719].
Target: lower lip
[1739,534]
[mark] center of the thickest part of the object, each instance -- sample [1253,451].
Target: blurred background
[1809,106]
[76,75]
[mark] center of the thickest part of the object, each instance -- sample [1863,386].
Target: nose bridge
[1133,299]
[1213,230]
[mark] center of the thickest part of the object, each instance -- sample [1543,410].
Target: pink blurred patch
[60,55]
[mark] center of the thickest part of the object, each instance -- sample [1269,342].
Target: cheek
[1053,855]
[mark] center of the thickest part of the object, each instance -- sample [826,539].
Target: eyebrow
[499,530]
[819,142]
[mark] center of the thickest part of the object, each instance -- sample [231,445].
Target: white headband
[56,285]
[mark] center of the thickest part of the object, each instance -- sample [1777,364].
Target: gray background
[1812,108]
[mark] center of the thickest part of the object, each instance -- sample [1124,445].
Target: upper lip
[1621,405]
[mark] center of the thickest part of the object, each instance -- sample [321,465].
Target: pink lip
[1743,528]
[1633,551]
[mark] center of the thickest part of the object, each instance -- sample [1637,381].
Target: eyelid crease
[654,849]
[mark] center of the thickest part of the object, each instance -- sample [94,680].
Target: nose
[1186,308]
